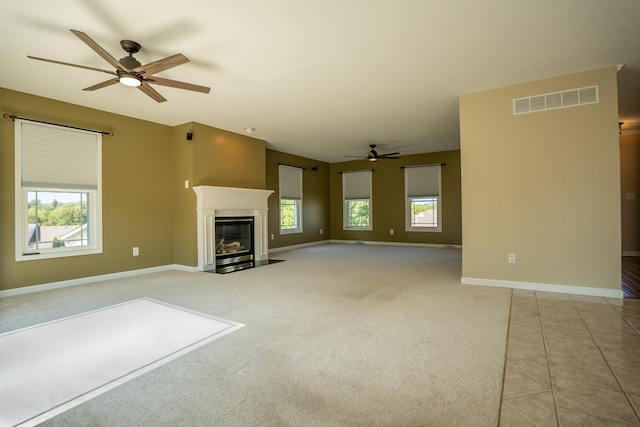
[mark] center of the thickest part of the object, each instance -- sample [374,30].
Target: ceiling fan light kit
[130,80]
[130,72]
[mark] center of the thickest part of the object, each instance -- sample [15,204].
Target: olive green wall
[630,177]
[184,206]
[388,200]
[212,157]
[544,185]
[315,200]
[144,199]
[136,206]
[227,159]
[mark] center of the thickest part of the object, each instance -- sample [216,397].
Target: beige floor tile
[635,401]
[560,322]
[521,309]
[617,342]
[552,296]
[615,327]
[634,320]
[570,368]
[624,302]
[578,335]
[537,408]
[510,418]
[569,418]
[592,400]
[587,307]
[629,379]
[516,329]
[622,358]
[629,310]
[534,341]
[560,307]
[517,384]
[588,353]
[601,316]
[588,299]
[537,368]
[519,351]
[529,321]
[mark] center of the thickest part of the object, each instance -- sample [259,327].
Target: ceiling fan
[373,156]
[130,72]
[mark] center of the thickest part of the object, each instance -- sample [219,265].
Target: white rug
[49,368]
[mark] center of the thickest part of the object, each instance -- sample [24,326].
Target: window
[422,187]
[290,199]
[58,197]
[356,190]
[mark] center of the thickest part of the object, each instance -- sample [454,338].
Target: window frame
[409,200]
[284,172]
[346,208]
[94,200]
[297,216]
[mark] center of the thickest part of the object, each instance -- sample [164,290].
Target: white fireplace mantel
[229,201]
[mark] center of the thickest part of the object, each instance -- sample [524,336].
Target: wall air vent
[552,101]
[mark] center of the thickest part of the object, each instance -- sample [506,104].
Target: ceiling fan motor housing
[129,62]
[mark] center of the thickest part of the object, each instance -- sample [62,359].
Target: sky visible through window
[61,197]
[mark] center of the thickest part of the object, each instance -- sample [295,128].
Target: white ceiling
[321,79]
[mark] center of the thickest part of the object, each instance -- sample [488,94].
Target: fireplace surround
[227,202]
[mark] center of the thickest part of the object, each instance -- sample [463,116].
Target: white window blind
[423,181]
[290,182]
[58,158]
[357,185]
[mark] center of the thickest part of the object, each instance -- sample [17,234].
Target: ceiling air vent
[552,101]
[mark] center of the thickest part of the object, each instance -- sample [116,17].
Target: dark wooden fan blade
[388,154]
[103,84]
[151,92]
[72,65]
[162,64]
[179,85]
[99,50]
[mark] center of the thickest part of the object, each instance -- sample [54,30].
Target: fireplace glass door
[234,244]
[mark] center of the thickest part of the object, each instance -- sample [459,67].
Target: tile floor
[572,361]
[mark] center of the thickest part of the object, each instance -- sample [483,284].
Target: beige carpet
[338,335]
[49,368]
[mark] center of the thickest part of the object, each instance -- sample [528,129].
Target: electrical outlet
[136,251]
[512,258]
[273,236]
[391,231]
[186,184]
[321,231]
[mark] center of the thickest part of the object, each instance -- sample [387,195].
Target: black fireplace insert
[234,244]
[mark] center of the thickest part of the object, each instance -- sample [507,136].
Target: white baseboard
[91,279]
[546,287]
[421,245]
[301,245]
[630,253]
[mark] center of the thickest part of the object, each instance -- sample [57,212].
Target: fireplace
[234,244]
[222,203]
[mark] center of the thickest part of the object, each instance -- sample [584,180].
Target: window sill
[61,254]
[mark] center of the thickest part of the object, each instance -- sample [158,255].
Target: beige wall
[544,186]
[630,177]
[388,202]
[315,200]
[137,208]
